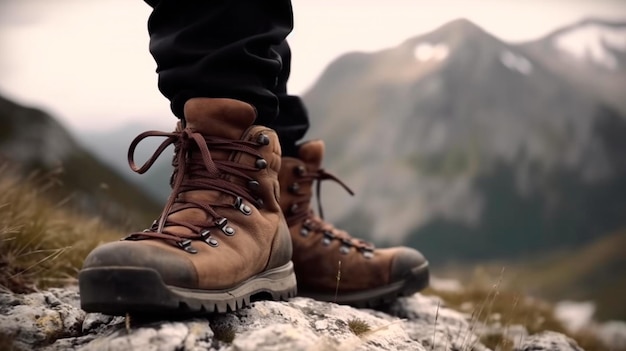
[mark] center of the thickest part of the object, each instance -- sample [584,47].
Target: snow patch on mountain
[516,62]
[425,52]
[593,42]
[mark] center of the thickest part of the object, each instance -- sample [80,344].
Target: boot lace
[195,169]
[300,212]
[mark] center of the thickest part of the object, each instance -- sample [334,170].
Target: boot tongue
[224,118]
[312,153]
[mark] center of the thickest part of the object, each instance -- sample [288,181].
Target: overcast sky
[87,61]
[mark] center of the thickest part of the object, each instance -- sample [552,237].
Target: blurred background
[490,135]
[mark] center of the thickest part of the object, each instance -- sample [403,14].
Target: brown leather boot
[221,239]
[331,265]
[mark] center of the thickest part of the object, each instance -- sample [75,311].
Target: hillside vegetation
[42,242]
[33,141]
[590,273]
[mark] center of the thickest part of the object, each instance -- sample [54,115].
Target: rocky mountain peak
[450,114]
[456,34]
[589,54]
[595,41]
[459,27]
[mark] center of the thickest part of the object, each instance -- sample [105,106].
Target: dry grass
[497,342]
[495,305]
[358,326]
[593,272]
[42,244]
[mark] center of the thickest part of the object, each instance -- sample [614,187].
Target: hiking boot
[331,265]
[221,240]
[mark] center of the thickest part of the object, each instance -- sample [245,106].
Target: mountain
[471,148]
[111,146]
[590,54]
[33,141]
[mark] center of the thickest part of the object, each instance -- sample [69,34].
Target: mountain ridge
[589,54]
[32,141]
[467,116]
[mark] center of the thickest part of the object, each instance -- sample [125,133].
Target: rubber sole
[416,280]
[122,290]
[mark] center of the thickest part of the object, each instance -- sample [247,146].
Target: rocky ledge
[52,320]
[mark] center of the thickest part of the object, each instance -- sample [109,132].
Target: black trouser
[229,48]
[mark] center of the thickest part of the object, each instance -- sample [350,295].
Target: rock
[612,334]
[305,324]
[435,326]
[548,341]
[158,336]
[40,318]
[52,320]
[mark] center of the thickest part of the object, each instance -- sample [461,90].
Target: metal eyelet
[206,236]
[328,237]
[186,245]
[294,188]
[224,227]
[344,249]
[307,224]
[294,208]
[261,163]
[245,209]
[368,254]
[299,170]
[259,203]
[263,139]
[242,207]
[304,231]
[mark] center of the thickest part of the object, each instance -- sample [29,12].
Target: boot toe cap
[174,269]
[407,263]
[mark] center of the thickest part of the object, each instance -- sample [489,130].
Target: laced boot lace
[301,212]
[195,169]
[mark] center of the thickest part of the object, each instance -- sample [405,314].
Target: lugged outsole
[136,290]
[417,280]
